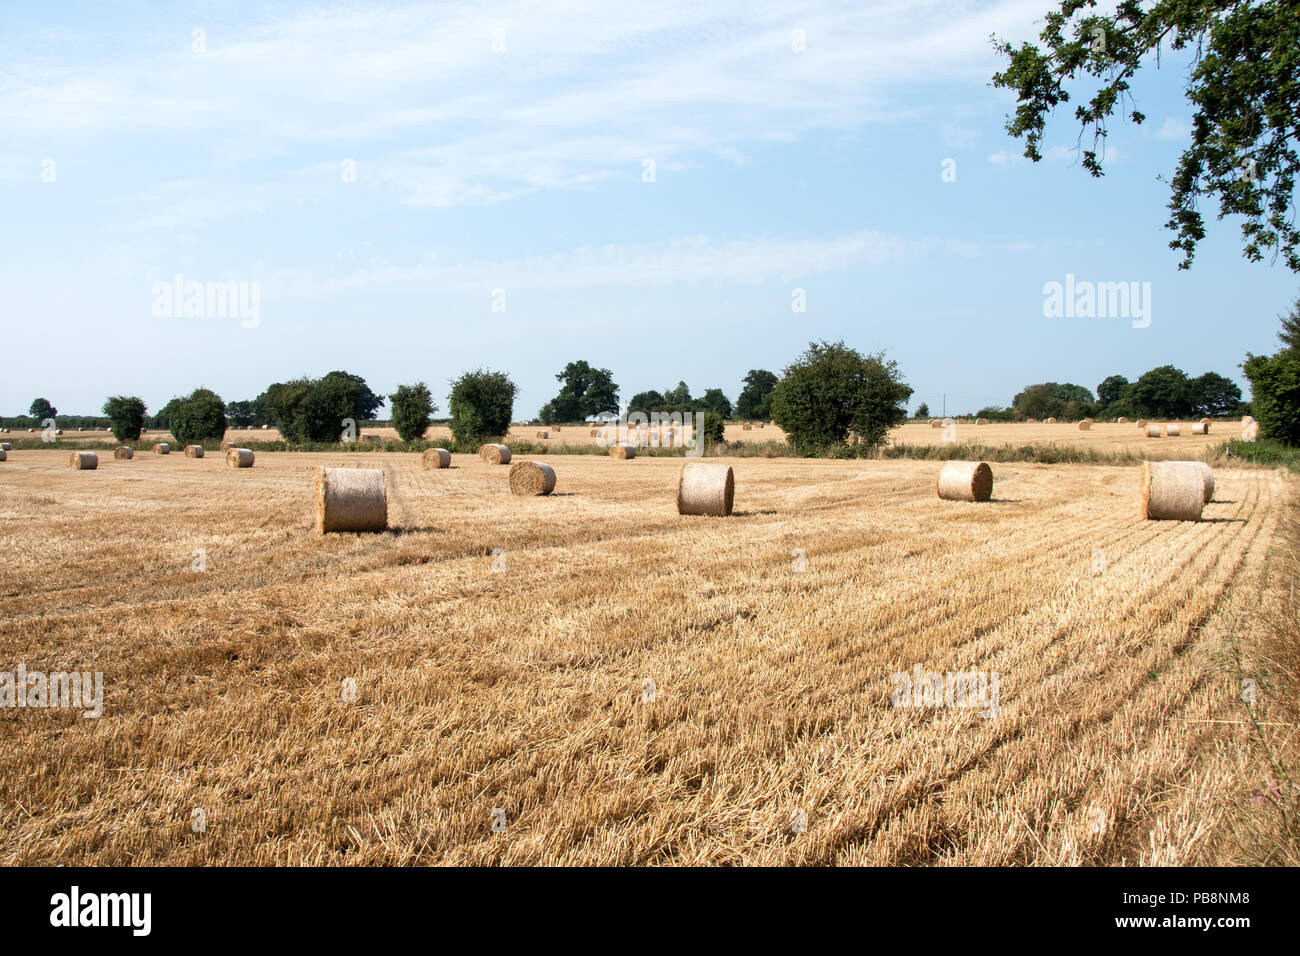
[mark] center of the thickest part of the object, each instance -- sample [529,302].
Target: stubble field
[628,685]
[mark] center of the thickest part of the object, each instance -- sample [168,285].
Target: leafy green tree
[712,428]
[366,404]
[755,401]
[280,404]
[241,414]
[831,390]
[1241,83]
[1164,392]
[327,404]
[198,417]
[646,402]
[923,410]
[163,418]
[584,391]
[1039,401]
[482,405]
[125,416]
[680,397]
[42,409]
[1214,394]
[1112,389]
[715,401]
[412,408]
[1275,388]
[1290,334]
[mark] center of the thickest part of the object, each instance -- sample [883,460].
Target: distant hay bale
[351,499]
[1085,425]
[531,478]
[193,451]
[981,421]
[746,427]
[1208,474]
[557,428]
[705,489]
[965,481]
[4,454]
[123,453]
[594,433]
[543,434]
[84,460]
[1141,423]
[936,423]
[1153,431]
[265,427]
[162,448]
[434,458]
[1172,490]
[1121,420]
[1172,431]
[622,452]
[494,454]
[1245,420]
[239,457]
[6,446]
[1051,421]
[1200,428]
[760,424]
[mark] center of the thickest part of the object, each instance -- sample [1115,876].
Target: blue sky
[223,156]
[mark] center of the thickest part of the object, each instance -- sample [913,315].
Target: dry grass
[1120,737]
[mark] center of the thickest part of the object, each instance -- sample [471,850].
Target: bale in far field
[622,452]
[594,433]
[543,435]
[84,460]
[531,478]
[239,457]
[4,454]
[6,446]
[1173,490]
[1051,421]
[495,454]
[193,451]
[1209,481]
[965,481]
[1153,431]
[1200,428]
[981,421]
[1172,431]
[705,489]
[746,427]
[1122,420]
[434,458]
[1085,425]
[162,448]
[351,499]
[123,453]
[936,423]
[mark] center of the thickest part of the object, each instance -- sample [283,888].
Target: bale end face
[434,458]
[193,451]
[965,481]
[531,478]
[1085,426]
[4,454]
[705,489]
[1172,490]
[123,453]
[351,499]
[494,454]
[239,457]
[622,452]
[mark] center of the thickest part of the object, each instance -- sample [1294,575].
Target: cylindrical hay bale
[6,446]
[84,460]
[1173,490]
[1142,423]
[1051,421]
[543,434]
[1122,420]
[1208,473]
[162,448]
[193,451]
[495,454]
[747,427]
[239,457]
[436,458]
[1172,431]
[1153,431]
[351,499]
[1085,425]
[531,478]
[936,423]
[557,428]
[965,481]
[1200,428]
[705,489]
[4,454]
[622,452]
[123,453]
[594,432]
[981,421]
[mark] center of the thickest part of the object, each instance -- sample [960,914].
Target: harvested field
[528,689]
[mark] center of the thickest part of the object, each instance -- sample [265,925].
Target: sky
[411,191]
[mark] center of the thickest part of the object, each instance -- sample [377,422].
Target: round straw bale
[747,427]
[1122,420]
[434,458]
[543,434]
[351,499]
[123,453]
[495,454]
[557,428]
[1200,428]
[965,481]
[193,451]
[981,421]
[531,478]
[1085,425]
[84,460]
[1172,431]
[1172,490]
[594,432]
[1051,421]
[4,454]
[936,423]
[239,457]
[1209,481]
[1141,423]
[6,446]
[705,489]
[1153,431]
[162,448]
[622,452]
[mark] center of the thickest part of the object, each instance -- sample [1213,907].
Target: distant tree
[198,417]
[367,403]
[679,396]
[1275,388]
[996,413]
[1214,394]
[241,414]
[125,416]
[163,417]
[715,401]
[584,391]
[412,407]
[712,428]
[1068,392]
[1163,392]
[280,404]
[1290,334]
[831,390]
[482,405]
[1112,389]
[42,409]
[923,410]
[646,402]
[1039,401]
[326,405]
[755,401]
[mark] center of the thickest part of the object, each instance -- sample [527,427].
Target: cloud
[1173,129]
